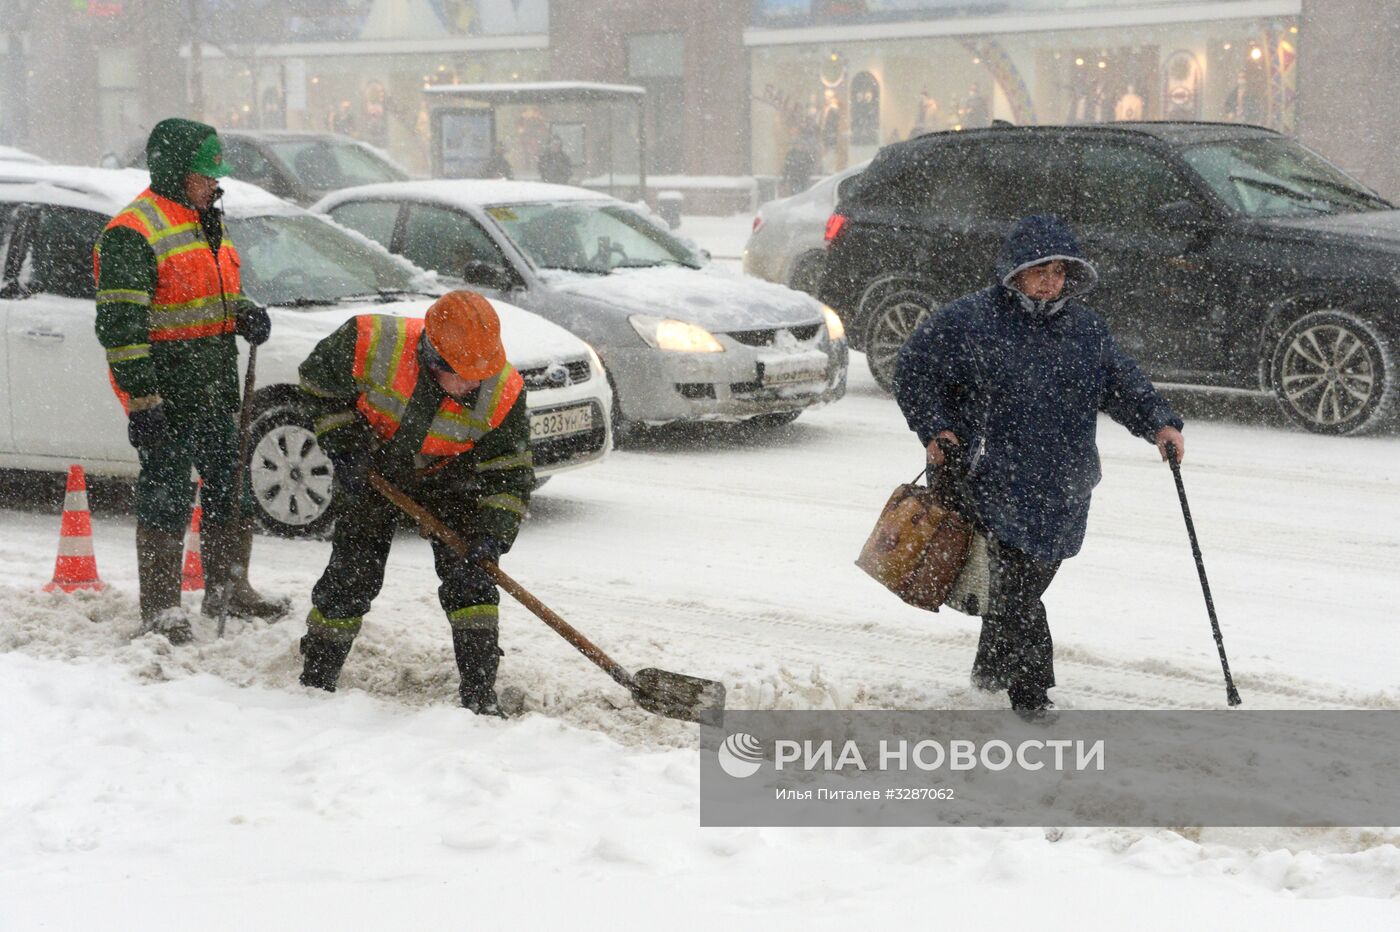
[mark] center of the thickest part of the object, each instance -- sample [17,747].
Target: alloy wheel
[890,327]
[290,476]
[1329,375]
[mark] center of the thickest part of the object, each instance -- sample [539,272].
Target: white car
[19,156]
[680,340]
[56,402]
[788,242]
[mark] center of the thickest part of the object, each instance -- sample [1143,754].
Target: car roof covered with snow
[529,338]
[108,190]
[462,192]
[11,154]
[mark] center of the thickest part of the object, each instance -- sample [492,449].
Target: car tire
[623,430]
[1335,373]
[889,326]
[290,476]
[807,273]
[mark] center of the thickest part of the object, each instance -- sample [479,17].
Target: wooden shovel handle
[434,526]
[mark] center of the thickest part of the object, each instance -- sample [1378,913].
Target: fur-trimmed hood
[1038,239]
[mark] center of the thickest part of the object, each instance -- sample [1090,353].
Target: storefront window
[842,101]
[376,99]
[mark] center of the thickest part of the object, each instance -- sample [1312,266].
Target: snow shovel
[1232,695]
[673,695]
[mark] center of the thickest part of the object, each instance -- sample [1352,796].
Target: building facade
[732,85]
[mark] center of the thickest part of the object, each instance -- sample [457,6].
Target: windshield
[594,237]
[1278,178]
[297,259]
[330,166]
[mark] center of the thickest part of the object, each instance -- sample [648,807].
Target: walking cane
[245,417]
[1232,695]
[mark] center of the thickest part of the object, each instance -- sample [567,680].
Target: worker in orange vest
[434,406]
[169,304]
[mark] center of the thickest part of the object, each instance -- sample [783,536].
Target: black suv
[1230,256]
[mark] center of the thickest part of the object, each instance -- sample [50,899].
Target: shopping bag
[971,593]
[919,545]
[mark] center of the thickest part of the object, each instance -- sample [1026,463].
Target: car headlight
[677,336]
[834,328]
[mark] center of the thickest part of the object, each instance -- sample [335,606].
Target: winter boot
[1031,703]
[478,654]
[322,659]
[226,552]
[158,558]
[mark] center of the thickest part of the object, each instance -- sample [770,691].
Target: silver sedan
[680,341]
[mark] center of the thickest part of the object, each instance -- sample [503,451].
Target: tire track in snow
[918,661]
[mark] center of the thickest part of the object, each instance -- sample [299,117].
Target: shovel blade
[675,695]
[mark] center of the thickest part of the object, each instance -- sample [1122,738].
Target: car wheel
[807,273]
[623,430]
[1334,373]
[290,476]
[890,325]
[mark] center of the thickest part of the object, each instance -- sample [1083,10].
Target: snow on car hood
[716,301]
[530,340]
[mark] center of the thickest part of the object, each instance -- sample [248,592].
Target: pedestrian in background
[498,166]
[1012,378]
[169,303]
[555,166]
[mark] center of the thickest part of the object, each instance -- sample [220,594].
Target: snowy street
[202,786]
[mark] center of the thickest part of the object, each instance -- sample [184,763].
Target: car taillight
[757,222]
[834,225]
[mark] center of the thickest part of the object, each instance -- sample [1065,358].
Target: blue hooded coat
[1021,382]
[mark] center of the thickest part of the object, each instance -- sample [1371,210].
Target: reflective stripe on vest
[190,299]
[386,368]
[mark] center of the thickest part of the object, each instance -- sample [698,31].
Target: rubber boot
[226,553]
[1031,702]
[478,654]
[322,660]
[158,562]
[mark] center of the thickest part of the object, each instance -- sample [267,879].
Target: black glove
[253,324]
[145,429]
[484,549]
[351,469]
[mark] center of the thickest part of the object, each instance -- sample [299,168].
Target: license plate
[789,370]
[561,421]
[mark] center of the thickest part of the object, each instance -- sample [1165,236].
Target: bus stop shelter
[463,120]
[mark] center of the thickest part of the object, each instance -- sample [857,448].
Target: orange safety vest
[386,369]
[195,293]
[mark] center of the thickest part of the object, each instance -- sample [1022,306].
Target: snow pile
[164,799]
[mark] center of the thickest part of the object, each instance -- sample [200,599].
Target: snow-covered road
[141,782]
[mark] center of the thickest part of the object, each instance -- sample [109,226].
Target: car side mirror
[488,275]
[1181,216]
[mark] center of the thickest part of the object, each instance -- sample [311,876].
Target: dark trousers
[164,493]
[1015,649]
[364,533]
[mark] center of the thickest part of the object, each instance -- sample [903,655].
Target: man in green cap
[169,304]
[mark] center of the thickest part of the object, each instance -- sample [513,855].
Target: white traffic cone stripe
[75,501]
[75,546]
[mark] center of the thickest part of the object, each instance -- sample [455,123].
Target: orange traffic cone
[76,566]
[193,579]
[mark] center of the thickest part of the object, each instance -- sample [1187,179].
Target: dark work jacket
[1021,384]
